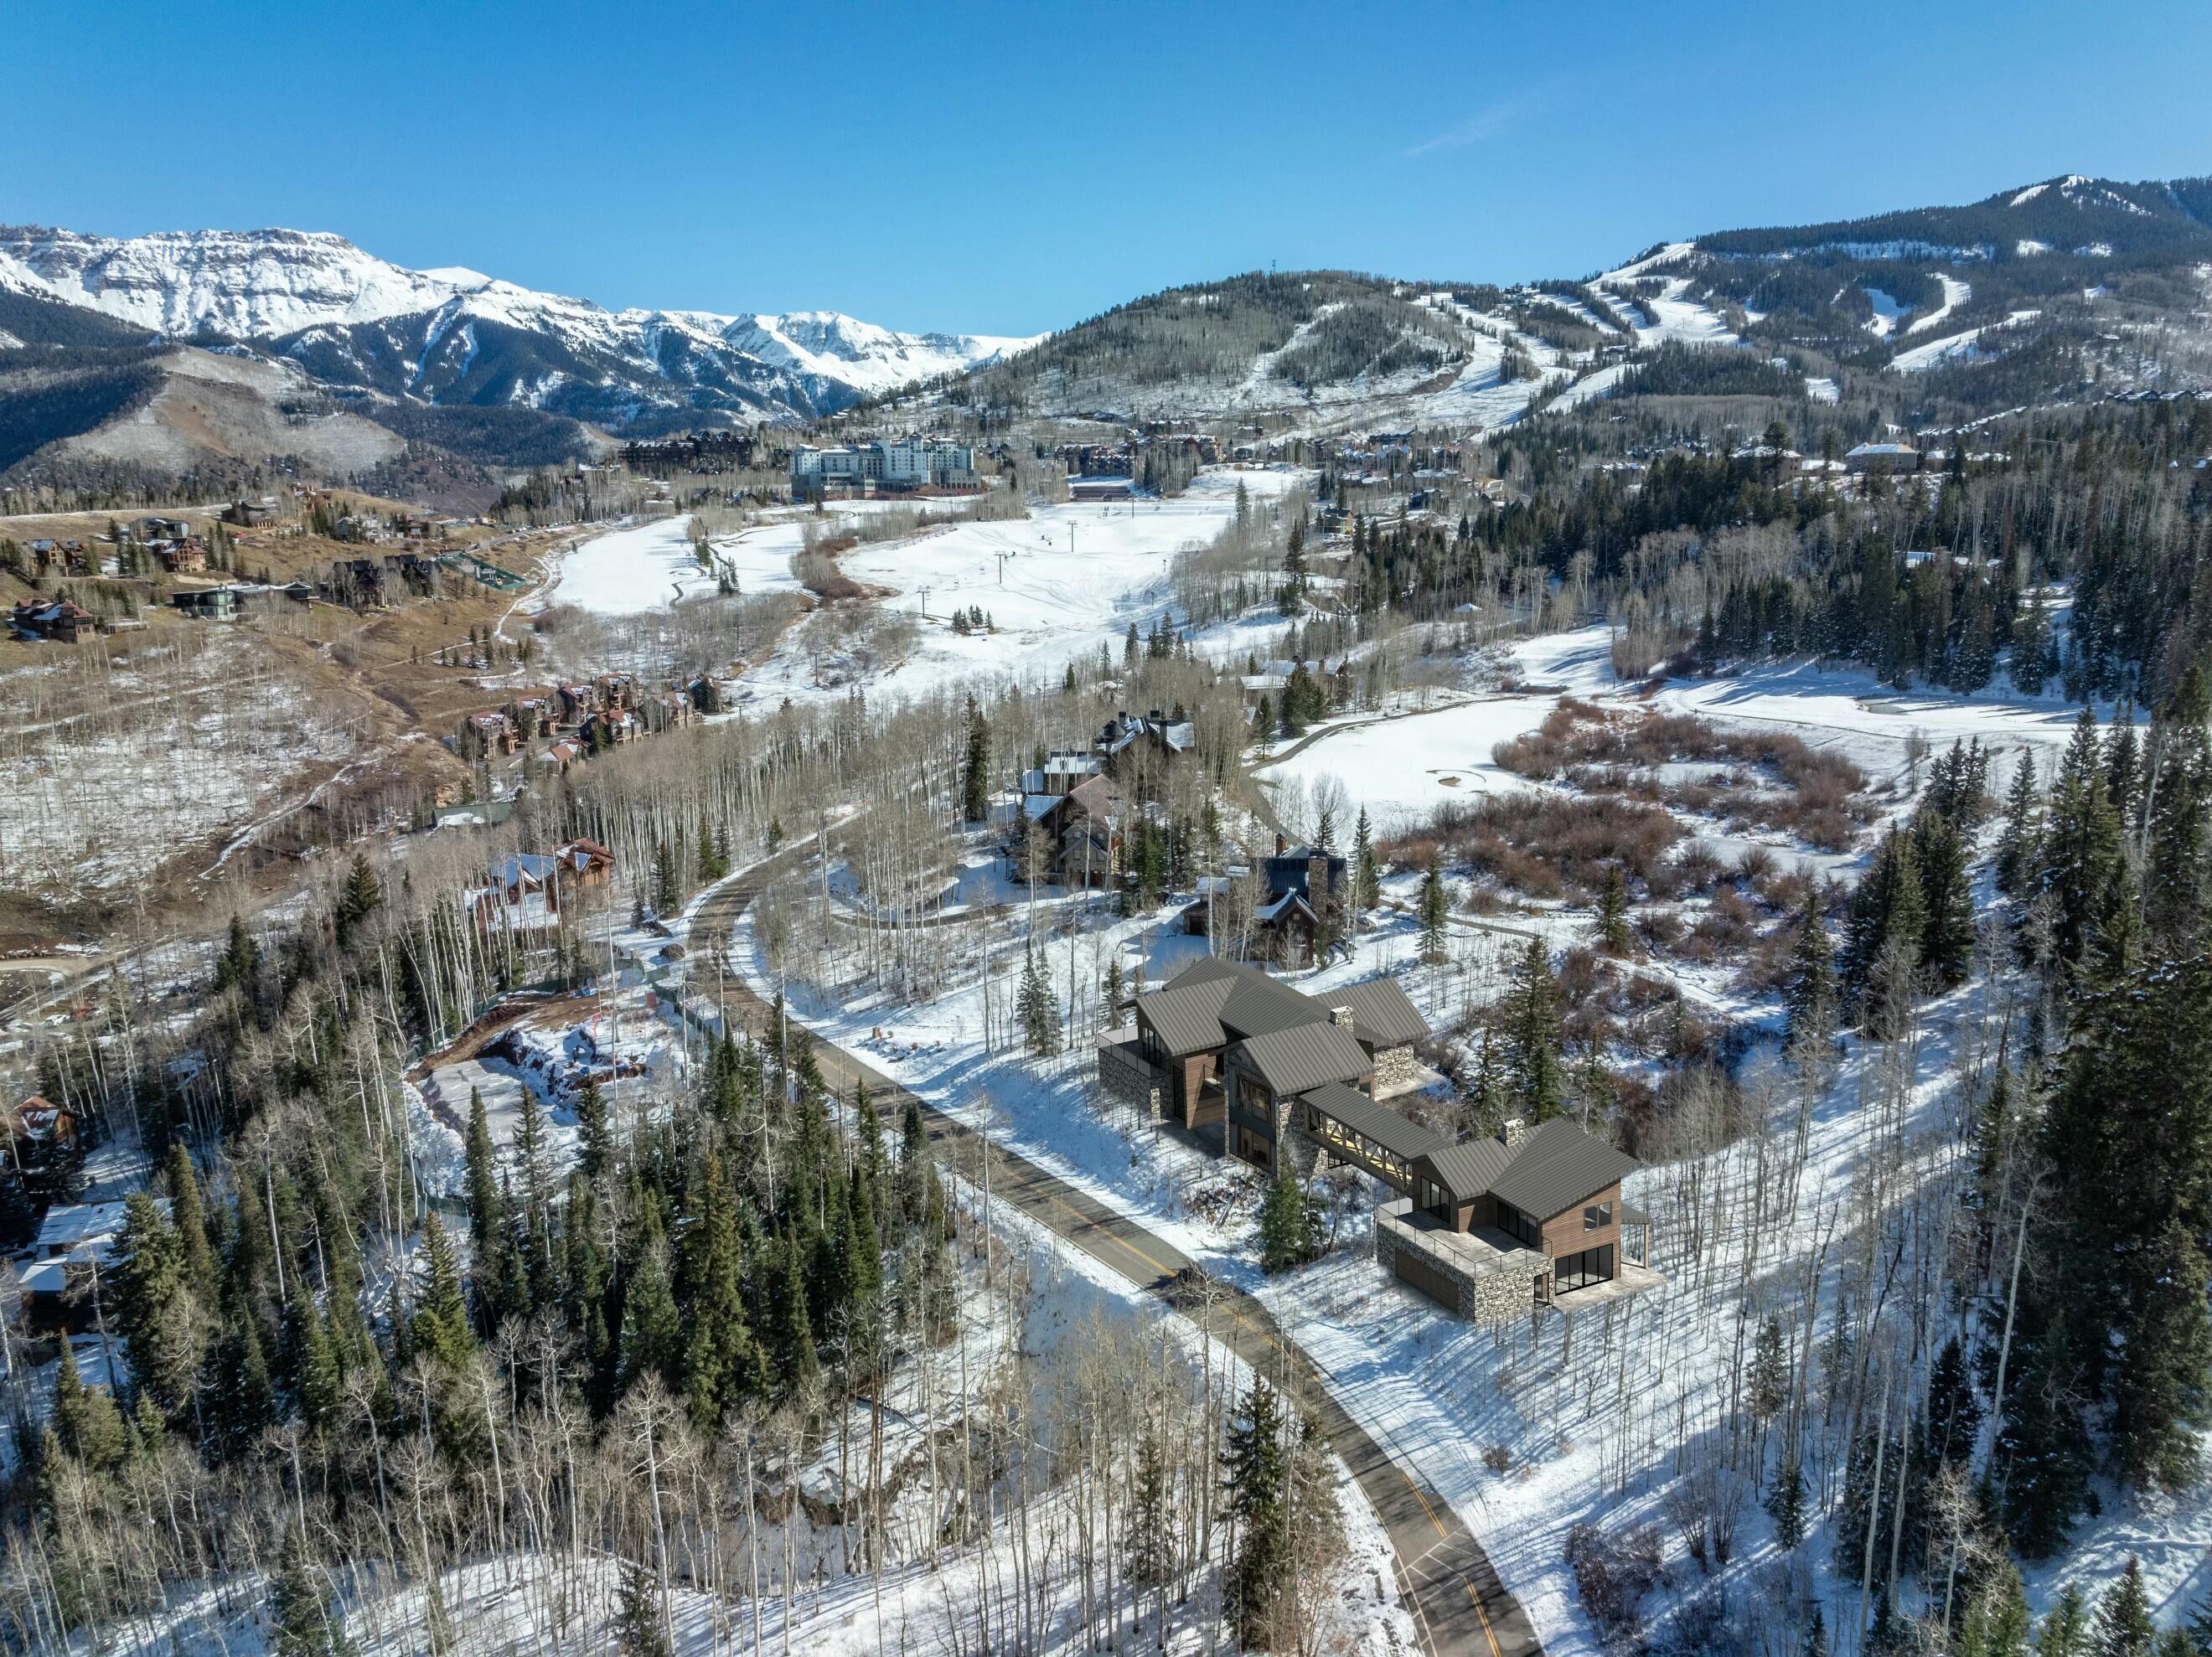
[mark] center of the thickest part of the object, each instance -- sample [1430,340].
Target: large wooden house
[1487,1227]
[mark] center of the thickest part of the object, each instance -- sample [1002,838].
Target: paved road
[1462,1608]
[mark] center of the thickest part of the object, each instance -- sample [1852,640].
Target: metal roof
[1401,1138]
[1387,1018]
[1467,1168]
[1556,1167]
[1304,1057]
[1214,1002]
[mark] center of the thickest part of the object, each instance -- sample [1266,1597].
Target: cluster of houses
[1087,803]
[583,717]
[1488,1227]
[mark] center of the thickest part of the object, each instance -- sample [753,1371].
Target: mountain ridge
[353,318]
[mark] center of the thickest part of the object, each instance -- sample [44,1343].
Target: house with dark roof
[1223,1043]
[1487,1227]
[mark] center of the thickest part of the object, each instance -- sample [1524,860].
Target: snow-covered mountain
[455,336]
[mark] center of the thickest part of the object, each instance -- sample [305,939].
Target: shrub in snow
[1613,1573]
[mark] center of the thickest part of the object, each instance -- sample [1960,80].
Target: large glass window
[1597,1216]
[1519,1226]
[1591,1266]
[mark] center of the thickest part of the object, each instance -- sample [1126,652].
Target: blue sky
[1014,168]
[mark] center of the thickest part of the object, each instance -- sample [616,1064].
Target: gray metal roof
[1259,1005]
[1467,1168]
[1556,1167]
[1214,1002]
[1186,1014]
[1387,1018]
[1379,1123]
[1304,1057]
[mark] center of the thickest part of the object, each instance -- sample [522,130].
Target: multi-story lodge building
[906,463]
[1485,1226]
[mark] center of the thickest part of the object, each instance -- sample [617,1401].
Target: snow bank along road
[1459,1603]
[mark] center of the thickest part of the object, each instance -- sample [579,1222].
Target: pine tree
[1785,1503]
[1614,936]
[1366,875]
[1148,1550]
[300,1605]
[975,764]
[487,1214]
[720,1363]
[86,1423]
[1433,909]
[1038,1011]
[667,884]
[638,1629]
[2065,1631]
[1998,1621]
[1535,1069]
[591,1134]
[440,1328]
[155,1308]
[1947,931]
[363,895]
[1290,1224]
[1257,1479]
[2124,1625]
[2080,849]
[2016,842]
[1808,993]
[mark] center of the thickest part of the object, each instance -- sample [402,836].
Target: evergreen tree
[1366,875]
[651,1339]
[2016,842]
[721,1364]
[1785,1503]
[1536,1070]
[1257,1480]
[667,883]
[299,1607]
[1290,1224]
[487,1213]
[1996,1623]
[85,1421]
[2124,1625]
[361,897]
[1808,993]
[1148,1548]
[1947,931]
[1433,909]
[975,764]
[440,1328]
[640,1630]
[2080,850]
[2065,1630]
[591,1133]
[155,1307]
[1614,936]
[1038,1012]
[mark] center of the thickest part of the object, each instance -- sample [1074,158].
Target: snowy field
[1056,584]
[629,570]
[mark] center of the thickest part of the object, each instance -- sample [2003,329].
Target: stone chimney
[1282,843]
[1316,879]
[1511,1132]
[1340,1015]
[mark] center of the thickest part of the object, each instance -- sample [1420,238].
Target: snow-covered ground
[1586,1412]
[629,571]
[1055,584]
[1955,293]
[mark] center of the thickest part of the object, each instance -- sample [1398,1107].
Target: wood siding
[1564,1234]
